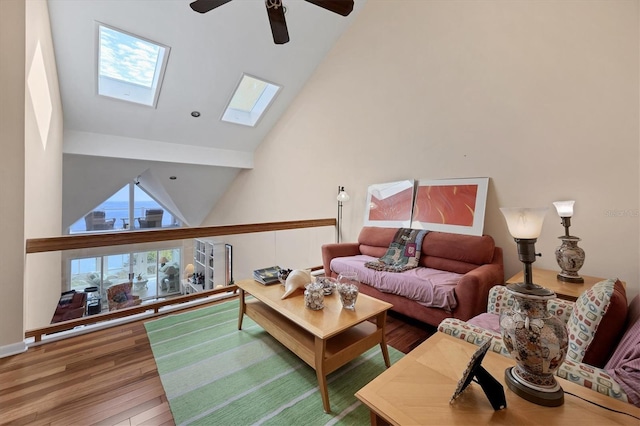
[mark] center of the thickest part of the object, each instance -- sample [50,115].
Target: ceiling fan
[275,11]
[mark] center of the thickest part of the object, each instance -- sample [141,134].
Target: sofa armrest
[476,335]
[594,378]
[472,291]
[329,251]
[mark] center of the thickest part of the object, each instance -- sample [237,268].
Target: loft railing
[72,242]
[91,241]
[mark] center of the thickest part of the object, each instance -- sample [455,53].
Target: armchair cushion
[119,296]
[594,378]
[602,308]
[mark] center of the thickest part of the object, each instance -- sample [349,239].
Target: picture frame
[390,204]
[451,205]
[475,372]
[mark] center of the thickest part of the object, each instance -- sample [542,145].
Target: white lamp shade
[524,222]
[188,270]
[343,196]
[564,208]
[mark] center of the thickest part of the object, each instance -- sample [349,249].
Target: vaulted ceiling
[110,142]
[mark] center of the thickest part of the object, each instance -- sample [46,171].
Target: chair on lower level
[96,221]
[70,306]
[152,219]
[119,296]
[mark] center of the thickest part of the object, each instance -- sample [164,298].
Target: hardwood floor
[109,377]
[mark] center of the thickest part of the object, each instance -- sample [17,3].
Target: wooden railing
[71,242]
[178,302]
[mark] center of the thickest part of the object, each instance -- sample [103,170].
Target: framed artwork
[451,205]
[390,204]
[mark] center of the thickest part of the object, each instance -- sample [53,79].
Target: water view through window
[116,214]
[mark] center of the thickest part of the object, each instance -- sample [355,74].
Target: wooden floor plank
[109,377]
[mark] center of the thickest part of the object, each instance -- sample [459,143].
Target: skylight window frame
[253,118]
[158,79]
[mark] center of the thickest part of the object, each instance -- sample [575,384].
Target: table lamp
[569,256]
[188,271]
[536,339]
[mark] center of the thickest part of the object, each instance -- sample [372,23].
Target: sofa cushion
[624,365]
[487,321]
[429,287]
[440,250]
[438,247]
[602,308]
[375,241]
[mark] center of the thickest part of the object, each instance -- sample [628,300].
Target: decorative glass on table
[347,287]
[314,296]
[328,284]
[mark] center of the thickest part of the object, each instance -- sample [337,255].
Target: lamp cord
[602,406]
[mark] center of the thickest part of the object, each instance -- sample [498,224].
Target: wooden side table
[564,290]
[417,389]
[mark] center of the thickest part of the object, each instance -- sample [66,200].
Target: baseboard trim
[12,349]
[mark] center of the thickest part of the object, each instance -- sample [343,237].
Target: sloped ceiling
[109,142]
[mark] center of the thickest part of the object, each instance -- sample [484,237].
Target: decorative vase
[282,275]
[314,296]
[347,287]
[328,284]
[570,258]
[537,341]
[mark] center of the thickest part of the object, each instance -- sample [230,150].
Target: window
[119,213]
[153,273]
[130,68]
[250,100]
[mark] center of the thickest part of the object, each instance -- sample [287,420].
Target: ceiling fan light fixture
[276,11]
[273,4]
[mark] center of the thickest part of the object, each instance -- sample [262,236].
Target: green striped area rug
[215,374]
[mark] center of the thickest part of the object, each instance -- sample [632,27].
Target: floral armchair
[604,337]
[119,296]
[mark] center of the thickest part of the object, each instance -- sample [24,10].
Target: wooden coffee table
[418,388]
[325,339]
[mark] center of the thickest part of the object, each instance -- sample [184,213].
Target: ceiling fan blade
[341,7]
[275,10]
[203,6]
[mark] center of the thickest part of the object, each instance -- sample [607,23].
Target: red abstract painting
[446,204]
[395,207]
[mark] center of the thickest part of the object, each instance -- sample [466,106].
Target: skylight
[250,100]
[130,68]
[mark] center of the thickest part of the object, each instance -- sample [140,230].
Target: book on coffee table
[267,276]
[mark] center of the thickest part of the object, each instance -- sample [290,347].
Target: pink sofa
[474,264]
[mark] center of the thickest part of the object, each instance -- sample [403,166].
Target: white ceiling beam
[101,145]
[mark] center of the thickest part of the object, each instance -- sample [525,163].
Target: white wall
[43,170]
[12,25]
[542,97]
